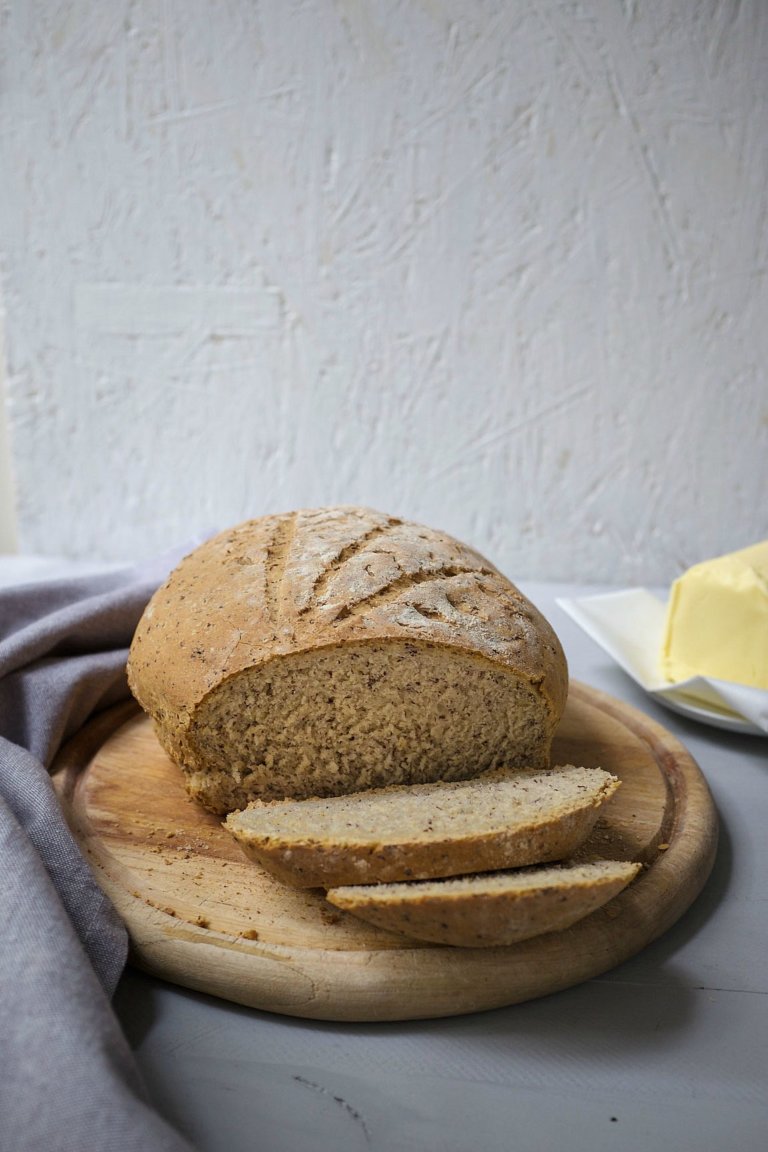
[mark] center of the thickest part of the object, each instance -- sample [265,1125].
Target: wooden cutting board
[200,915]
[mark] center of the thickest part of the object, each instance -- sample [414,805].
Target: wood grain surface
[201,915]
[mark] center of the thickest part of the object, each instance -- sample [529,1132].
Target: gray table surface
[670,1050]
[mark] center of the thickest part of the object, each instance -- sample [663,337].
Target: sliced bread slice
[505,819]
[486,911]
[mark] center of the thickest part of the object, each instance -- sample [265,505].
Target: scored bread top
[320,578]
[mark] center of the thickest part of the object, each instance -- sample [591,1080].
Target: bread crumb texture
[493,910]
[325,651]
[507,818]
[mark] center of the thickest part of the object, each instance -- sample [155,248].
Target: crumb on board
[250,934]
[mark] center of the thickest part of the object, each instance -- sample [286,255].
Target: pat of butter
[717,620]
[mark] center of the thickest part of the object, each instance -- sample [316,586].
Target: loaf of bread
[324,651]
[485,911]
[505,819]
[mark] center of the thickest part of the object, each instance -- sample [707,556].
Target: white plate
[628,625]
[728,720]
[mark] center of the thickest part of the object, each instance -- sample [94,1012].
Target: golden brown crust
[473,913]
[321,579]
[312,864]
[324,577]
[508,818]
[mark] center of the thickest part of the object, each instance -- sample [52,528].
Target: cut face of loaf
[507,819]
[487,911]
[325,651]
[360,716]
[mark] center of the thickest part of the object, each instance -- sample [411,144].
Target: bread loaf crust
[322,579]
[475,912]
[508,818]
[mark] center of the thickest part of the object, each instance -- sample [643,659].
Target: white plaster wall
[498,266]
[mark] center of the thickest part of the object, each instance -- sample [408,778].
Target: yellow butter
[717,620]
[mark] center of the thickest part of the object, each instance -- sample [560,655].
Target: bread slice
[507,818]
[486,911]
[329,650]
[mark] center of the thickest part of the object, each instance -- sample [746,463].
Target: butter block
[717,620]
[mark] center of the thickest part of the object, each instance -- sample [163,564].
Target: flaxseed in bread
[505,819]
[492,910]
[324,651]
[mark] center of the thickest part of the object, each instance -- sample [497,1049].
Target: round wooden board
[201,915]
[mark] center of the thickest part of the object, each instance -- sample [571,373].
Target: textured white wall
[499,266]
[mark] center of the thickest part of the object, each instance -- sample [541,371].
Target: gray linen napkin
[68,1080]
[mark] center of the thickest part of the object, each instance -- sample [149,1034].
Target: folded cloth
[68,1080]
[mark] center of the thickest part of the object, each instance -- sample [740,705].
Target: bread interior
[366,715]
